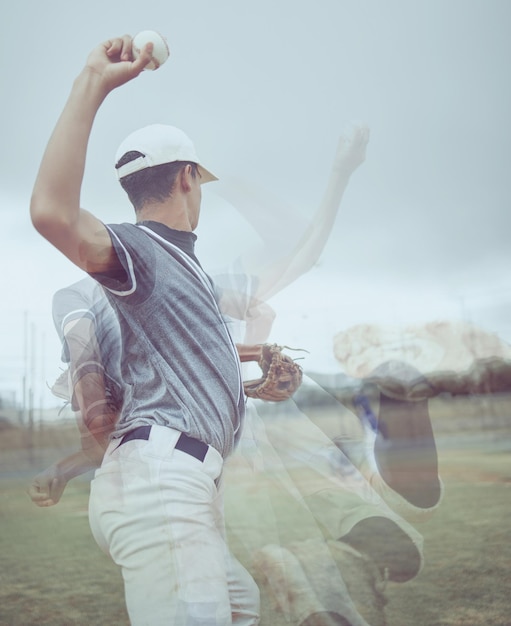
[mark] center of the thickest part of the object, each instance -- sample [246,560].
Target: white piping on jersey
[192,265]
[202,276]
[130,268]
[82,312]
[86,364]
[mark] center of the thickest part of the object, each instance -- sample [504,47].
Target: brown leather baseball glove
[281,375]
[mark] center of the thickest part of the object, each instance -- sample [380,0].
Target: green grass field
[53,574]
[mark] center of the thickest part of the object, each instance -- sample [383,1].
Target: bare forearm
[56,195]
[48,486]
[349,156]
[96,420]
[76,464]
[248,353]
[307,250]
[96,433]
[55,206]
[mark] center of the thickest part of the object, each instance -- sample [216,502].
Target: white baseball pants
[158,513]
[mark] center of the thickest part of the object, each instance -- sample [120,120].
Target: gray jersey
[180,367]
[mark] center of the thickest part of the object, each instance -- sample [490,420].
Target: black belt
[191,446]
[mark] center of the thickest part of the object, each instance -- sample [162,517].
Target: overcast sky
[265,89]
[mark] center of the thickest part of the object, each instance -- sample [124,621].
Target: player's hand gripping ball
[160,48]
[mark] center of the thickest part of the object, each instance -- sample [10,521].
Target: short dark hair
[152,184]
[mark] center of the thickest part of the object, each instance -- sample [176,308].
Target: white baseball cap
[159,144]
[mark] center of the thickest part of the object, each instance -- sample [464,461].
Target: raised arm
[292,245]
[55,206]
[302,257]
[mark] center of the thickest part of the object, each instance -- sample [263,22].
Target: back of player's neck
[172,213]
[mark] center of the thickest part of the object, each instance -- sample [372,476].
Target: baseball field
[53,574]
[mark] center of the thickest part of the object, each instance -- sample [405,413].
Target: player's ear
[185,178]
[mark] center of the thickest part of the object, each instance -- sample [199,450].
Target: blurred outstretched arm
[95,415]
[292,245]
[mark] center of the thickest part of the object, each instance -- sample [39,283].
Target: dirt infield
[53,573]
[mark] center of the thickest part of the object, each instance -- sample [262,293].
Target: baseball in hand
[160,48]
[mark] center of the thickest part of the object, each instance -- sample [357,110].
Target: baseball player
[156,502]
[241,290]
[114,255]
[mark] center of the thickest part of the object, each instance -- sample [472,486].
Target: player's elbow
[46,218]
[40,213]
